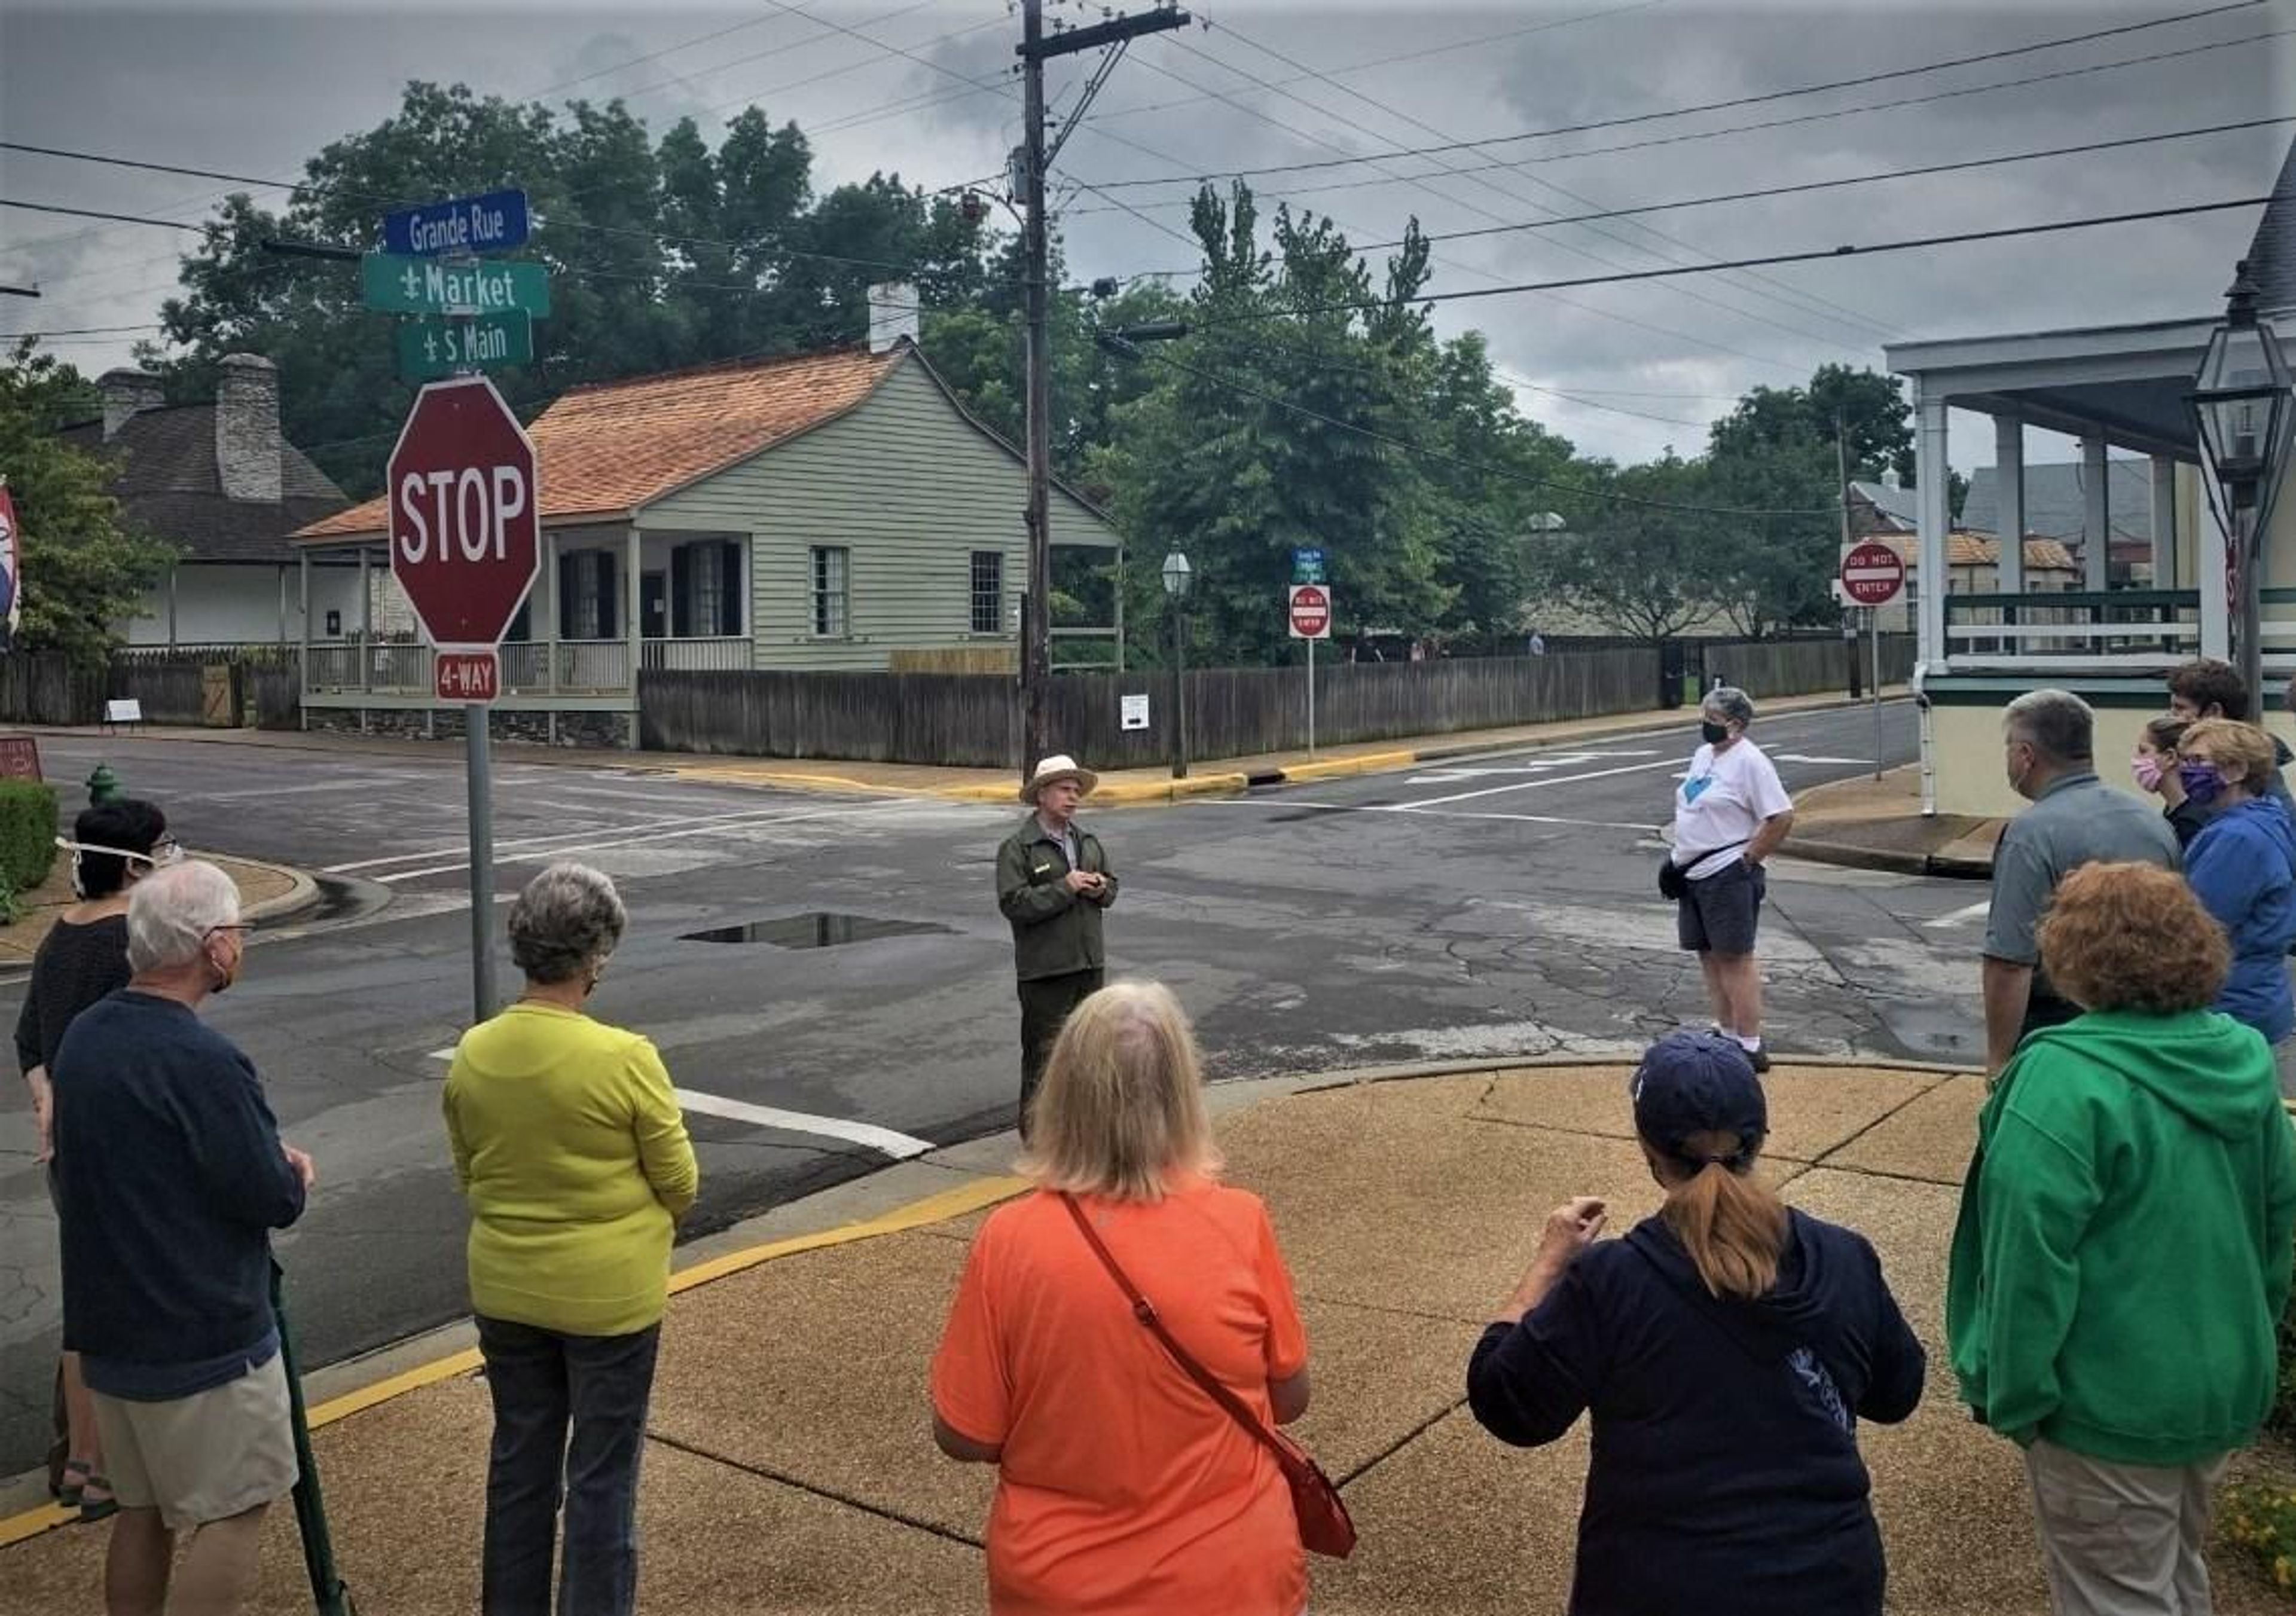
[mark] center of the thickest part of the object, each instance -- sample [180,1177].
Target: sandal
[69,1491]
[93,1509]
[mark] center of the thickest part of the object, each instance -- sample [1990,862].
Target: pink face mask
[2146,767]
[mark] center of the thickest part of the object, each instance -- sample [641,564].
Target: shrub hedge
[28,833]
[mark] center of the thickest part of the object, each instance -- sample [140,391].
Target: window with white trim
[831,567]
[987,592]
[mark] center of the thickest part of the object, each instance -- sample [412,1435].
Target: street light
[2240,405]
[1177,576]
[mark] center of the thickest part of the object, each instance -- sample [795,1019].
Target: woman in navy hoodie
[1726,1349]
[2242,867]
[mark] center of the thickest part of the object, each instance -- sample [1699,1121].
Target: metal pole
[1036,660]
[1311,697]
[1874,622]
[2250,646]
[1180,688]
[475,728]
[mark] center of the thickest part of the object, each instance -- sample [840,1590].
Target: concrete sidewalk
[1118,787]
[1878,824]
[791,1467]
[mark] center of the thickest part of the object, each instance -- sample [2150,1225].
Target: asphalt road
[1501,905]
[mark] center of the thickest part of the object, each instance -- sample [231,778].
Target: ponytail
[1732,1225]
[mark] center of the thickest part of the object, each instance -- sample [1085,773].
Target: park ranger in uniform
[1053,881]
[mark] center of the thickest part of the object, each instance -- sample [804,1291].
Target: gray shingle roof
[2272,256]
[2056,503]
[170,485]
[1901,505]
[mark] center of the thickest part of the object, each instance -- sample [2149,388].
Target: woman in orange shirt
[1122,1488]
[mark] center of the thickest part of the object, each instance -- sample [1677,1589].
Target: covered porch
[2140,607]
[609,601]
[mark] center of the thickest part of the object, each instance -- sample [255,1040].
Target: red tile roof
[608,448]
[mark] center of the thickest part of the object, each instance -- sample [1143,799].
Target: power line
[1814,255]
[1426,182]
[91,213]
[1734,102]
[1856,179]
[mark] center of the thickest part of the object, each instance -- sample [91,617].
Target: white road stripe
[899,1147]
[534,841]
[1959,917]
[1403,808]
[1526,786]
[534,850]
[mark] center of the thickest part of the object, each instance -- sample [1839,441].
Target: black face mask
[1714,734]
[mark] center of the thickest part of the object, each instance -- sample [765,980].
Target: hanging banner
[12,570]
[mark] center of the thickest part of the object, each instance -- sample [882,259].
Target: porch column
[2164,522]
[633,630]
[548,612]
[172,568]
[2009,480]
[2213,552]
[303,660]
[2096,516]
[366,623]
[1932,472]
[283,597]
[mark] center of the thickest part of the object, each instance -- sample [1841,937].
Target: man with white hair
[171,1176]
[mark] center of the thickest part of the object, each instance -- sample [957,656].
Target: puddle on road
[815,930]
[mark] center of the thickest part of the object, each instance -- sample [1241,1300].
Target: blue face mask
[2202,783]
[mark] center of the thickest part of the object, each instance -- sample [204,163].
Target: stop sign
[465,528]
[1872,574]
[1310,611]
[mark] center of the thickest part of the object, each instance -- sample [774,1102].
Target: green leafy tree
[1635,555]
[1876,421]
[84,567]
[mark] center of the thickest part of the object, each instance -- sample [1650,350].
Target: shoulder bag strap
[1145,1311]
[1727,847]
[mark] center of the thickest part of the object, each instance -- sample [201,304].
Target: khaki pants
[2123,1539]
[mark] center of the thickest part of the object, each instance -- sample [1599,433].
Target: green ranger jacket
[1055,930]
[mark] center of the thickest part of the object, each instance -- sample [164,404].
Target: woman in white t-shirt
[1730,814]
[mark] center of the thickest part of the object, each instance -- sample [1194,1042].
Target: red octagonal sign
[465,527]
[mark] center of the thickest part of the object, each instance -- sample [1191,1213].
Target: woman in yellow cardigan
[569,1147]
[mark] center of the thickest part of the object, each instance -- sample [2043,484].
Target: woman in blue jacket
[2242,867]
[1727,1350]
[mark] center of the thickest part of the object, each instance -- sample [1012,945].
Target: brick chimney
[247,428]
[126,393]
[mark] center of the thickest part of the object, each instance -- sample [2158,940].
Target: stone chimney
[892,316]
[247,428]
[126,393]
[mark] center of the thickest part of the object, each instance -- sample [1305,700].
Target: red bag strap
[1145,1311]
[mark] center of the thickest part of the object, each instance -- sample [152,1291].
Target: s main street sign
[425,286]
[430,348]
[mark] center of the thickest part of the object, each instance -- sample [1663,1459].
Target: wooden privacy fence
[973,720]
[43,687]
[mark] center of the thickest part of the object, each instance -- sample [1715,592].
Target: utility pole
[1036,245]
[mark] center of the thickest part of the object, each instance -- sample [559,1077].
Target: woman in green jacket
[570,1148]
[2124,1247]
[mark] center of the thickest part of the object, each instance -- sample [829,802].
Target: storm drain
[816,928]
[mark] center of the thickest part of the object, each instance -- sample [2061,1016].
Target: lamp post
[1177,576]
[2240,405]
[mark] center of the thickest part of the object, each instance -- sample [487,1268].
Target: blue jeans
[540,1381]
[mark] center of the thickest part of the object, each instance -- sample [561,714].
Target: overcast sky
[1622,370]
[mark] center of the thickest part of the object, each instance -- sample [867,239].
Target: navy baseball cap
[1698,1083]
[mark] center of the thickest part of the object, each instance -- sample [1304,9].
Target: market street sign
[492,223]
[425,286]
[430,348]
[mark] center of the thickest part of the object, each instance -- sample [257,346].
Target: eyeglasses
[237,926]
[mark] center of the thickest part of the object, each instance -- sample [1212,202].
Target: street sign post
[434,348]
[394,284]
[1307,611]
[465,547]
[1872,575]
[496,222]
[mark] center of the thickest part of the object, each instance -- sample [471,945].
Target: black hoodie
[1726,1475]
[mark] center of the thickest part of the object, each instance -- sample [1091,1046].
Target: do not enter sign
[1872,574]
[465,524]
[1310,611]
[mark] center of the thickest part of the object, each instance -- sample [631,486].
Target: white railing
[332,667]
[592,667]
[726,654]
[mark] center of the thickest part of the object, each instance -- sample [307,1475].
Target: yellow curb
[1369,763]
[969,1197]
[1123,794]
